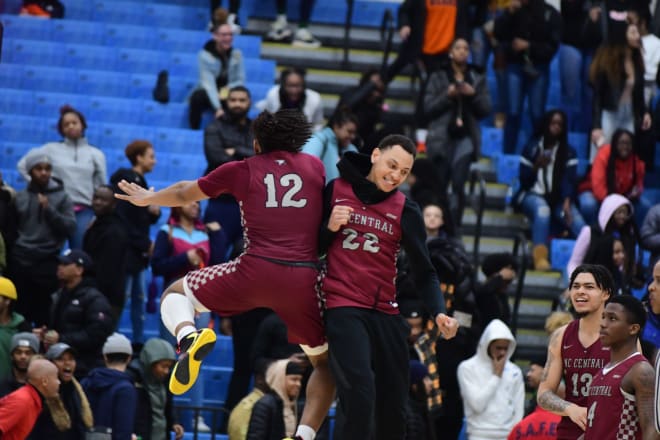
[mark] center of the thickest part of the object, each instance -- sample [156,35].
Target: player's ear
[256,147]
[635,329]
[375,154]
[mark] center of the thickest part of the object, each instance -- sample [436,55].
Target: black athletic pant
[369,361]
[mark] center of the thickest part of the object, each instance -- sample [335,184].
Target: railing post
[347,30]
[520,244]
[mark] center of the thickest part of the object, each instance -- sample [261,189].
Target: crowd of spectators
[65,305]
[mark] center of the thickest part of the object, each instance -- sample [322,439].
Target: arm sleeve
[481,103]
[123,413]
[403,15]
[10,413]
[436,100]
[20,166]
[569,181]
[236,76]
[100,168]
[476,389]
[260,420]
[519,398]
[413,239]
[214,146]
[527,172]
[314,145]
[317,114]
[503,27]
[640,171]
[227,178]
[325,235]
[543,49]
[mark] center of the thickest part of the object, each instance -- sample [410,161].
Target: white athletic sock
[185,331]
[306,432]
[175,309]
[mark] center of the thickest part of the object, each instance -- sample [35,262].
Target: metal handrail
[477,177]
[347,31]
[196,412]
[519,245]
[386,36]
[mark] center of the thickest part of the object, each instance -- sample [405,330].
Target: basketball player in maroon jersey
[280,194]
[575,353]
[368,220]
[620,402]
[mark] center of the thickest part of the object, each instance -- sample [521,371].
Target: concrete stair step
[321,58]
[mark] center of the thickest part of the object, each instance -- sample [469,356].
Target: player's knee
[174,288]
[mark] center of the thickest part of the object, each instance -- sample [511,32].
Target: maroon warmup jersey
[580,366]
[612,413]
[362,257]
[280,195]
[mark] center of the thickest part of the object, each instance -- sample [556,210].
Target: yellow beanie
[7,288]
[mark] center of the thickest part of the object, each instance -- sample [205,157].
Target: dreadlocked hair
[284,130]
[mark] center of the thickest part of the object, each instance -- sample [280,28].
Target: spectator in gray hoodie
[44,218]
[80,166]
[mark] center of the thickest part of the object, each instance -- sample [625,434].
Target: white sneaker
[279,29]
[304,38]
[201,425]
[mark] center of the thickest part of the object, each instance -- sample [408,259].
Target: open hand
[134,193]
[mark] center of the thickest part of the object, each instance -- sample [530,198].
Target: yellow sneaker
[193,349]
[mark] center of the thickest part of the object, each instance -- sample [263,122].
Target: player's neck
[590,323]
[622,351]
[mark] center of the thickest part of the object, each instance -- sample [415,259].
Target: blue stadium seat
[216,382]
[259,71]
[11,153]
[102,83]
[111,11]
[29,28]
[88,56]
[132,36]
[165,115]
[143,61]
[508,169]
[49,103]
[181,86]
[43,53]
[184,64]
[159,176]
[78,32]
[115,136]
[118,110]
[579,141]
[491,141]
[20,102]
[11,75]
[13,178]
[175,16]
[186,166]
[31,129]
[583,165]
[222,354]
[173,139]
[79,10]
[250,45]
[181,40]
[653,195]
[560,252]
[46,79]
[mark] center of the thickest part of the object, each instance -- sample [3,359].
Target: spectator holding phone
[548,169]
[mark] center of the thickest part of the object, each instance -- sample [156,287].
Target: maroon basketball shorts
[248,282]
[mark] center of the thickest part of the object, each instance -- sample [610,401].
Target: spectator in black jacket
[274,416]
[106,242]
[491,295]
[229,137]
[154,418]
[80,315]
[137,221]
[417,413]
[530,31]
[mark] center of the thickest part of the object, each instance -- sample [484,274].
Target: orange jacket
[625,179]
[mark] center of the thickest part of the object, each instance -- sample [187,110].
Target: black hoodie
[354,167]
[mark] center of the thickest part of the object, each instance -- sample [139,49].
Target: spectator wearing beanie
[417,413]
[112,395]
[275,415]
[44,219]
[24,345]
[10,324]
[491,296]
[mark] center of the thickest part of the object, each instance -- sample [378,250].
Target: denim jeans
[83,219]
[536,209]
[589,207]
[576,94]
[519,87]
[135,290]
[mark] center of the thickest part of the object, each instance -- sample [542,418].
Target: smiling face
[586,296]
[66,366]
[292,384]
[345,133]
[390,167]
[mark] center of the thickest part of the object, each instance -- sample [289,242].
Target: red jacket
[539,425]
[624,178]
[18,412]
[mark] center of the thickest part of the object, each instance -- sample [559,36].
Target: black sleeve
[325,235]
[214,147]
[98,324]
[413,240]
[354,96]
[261,419]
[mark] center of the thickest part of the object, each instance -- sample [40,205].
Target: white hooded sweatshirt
[493,404]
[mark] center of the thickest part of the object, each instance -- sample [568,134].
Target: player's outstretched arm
[178,194]
[641,378]
[547,396]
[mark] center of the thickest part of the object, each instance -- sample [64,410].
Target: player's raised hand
[339,217]
[447,325]
[134,193]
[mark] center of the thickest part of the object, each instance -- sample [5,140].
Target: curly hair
[284,130]
[66,109]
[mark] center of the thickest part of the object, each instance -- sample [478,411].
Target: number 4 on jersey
[288,200]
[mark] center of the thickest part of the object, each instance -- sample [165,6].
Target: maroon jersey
[580,366]
[280,195]
[362,257]
[612,410]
